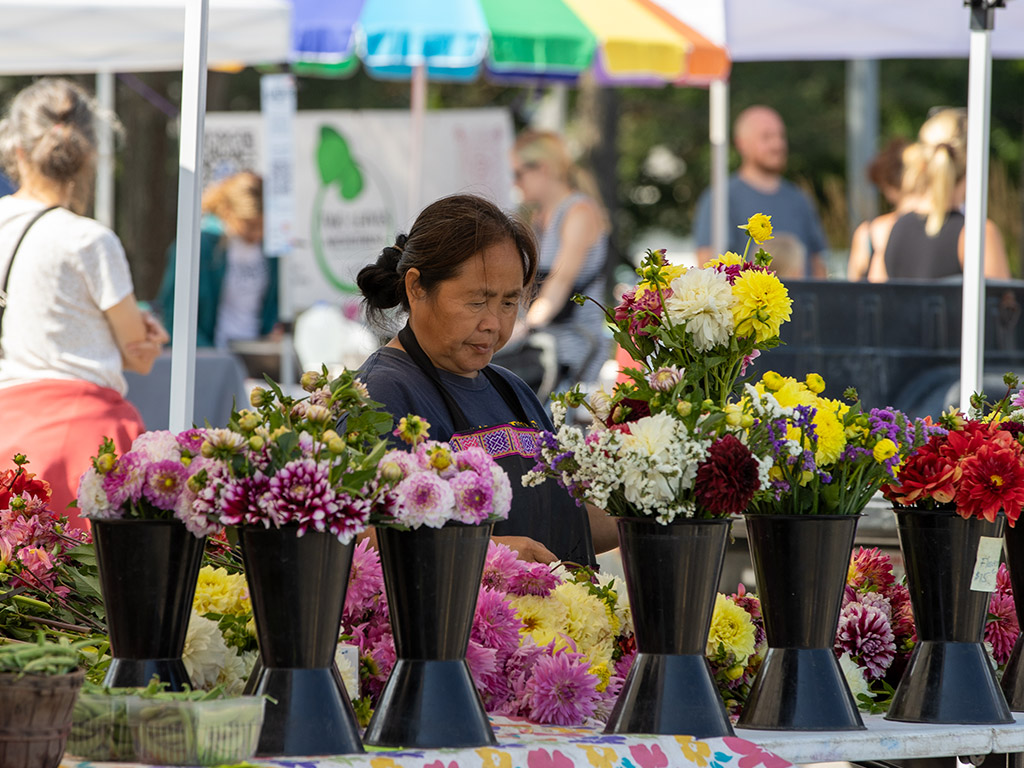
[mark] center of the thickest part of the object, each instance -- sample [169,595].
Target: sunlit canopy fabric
[67,36]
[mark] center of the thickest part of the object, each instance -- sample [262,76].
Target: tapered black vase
[1012,683]
[948,678]
[148,573]
[297,586]
[801,563]
[672,574]
[432,579]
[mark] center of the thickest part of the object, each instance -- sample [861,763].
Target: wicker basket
[35,718]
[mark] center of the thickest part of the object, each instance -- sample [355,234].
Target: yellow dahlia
[726,259]
[666,274]
[218,591]
[828,425]
[762,304]
[758,227]
[732,629]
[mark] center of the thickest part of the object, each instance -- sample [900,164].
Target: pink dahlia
[423,499]
[870,568]
[483,664]
[301,491]
[123,484]
[902,612]
[500,566]
[158,445]
[562,691]
[365,580]
[474,459]
[496,623]
[164,483]
[866,635]
[1001,629]
[240,500]
[1003,584]
[473,496]
[534,579]
[191,440]
[350,517]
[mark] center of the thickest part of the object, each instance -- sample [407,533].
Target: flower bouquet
[707,324]
[736,646]
[296,477]
[828,458]
[149,546]
[435,515]
[952,497]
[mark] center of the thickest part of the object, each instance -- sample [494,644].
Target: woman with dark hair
[461,275]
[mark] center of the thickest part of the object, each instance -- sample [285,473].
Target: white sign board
[277,105]
[351,179]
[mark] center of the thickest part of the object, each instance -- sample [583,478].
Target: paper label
[986,566]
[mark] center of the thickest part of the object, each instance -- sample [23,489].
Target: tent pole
[979,99]
[418,105]
[719,135]
[105,154]
[862,76]
[190,166]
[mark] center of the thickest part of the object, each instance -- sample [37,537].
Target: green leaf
[336,164]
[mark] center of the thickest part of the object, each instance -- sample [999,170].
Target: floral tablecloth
[524,745]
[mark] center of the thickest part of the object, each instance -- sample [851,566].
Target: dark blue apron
[545,513]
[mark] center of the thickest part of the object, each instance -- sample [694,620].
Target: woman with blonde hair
[71,325]
[238,284]
[928,241]
[572,229]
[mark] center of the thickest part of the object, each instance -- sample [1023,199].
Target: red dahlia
[727,481]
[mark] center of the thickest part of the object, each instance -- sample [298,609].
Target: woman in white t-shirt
[71,325]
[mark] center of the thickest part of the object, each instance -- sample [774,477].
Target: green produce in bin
[99,729]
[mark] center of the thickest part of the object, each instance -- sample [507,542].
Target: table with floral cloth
[525,745]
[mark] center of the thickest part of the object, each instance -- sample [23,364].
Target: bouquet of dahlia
[148,482]
[431,483]
[284,463]
[827,457]
[552,646]
[665,458]
[973,464]
[736,646]
[705,323]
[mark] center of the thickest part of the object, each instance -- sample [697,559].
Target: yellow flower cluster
[221,592]
[732,630]
[828,421]
[762,305]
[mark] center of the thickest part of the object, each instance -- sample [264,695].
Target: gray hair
[53,122]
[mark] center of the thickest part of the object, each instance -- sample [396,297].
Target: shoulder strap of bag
[10,264]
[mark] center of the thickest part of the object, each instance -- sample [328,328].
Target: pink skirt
[59,424]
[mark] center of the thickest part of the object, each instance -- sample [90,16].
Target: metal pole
[861,138]
[190,166]
[105,151]
[719,135]
[979,99]
[418,105]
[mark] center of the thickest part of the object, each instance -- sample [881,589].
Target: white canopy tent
[106,36]
[878,29]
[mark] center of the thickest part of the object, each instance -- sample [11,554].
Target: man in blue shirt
[6,188]
[758,187]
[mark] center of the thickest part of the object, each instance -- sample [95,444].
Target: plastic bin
[99,728]
[196,732]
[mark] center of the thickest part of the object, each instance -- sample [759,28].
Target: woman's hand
[527,549]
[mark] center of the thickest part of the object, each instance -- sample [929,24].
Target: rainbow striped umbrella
[620,41]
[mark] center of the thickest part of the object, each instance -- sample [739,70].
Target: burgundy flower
[727,481]
[865,633]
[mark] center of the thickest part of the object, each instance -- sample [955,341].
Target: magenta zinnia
[727,481]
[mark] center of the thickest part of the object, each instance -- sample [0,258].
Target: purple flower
[865,633]
[496,623]
[501,565]
[241,499]
[191,440]
[422,499]
[473,496]
[164,483]
[123,484]
[533,579]
[301,491]
[475,459]
[365,580]
[483,664]
[562,691]
[350,517]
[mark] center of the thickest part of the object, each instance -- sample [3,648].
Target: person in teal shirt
[238,284]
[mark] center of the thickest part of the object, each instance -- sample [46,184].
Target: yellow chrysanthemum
[815,383]
[790,393]
[666,275]
[762,305]
[758,227]
[726,259]
[732,629]
[218,591]
[828,425]
[586,621]
[771,381]
[540,615]
[884,449]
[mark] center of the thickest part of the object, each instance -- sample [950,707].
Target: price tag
[986,565]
